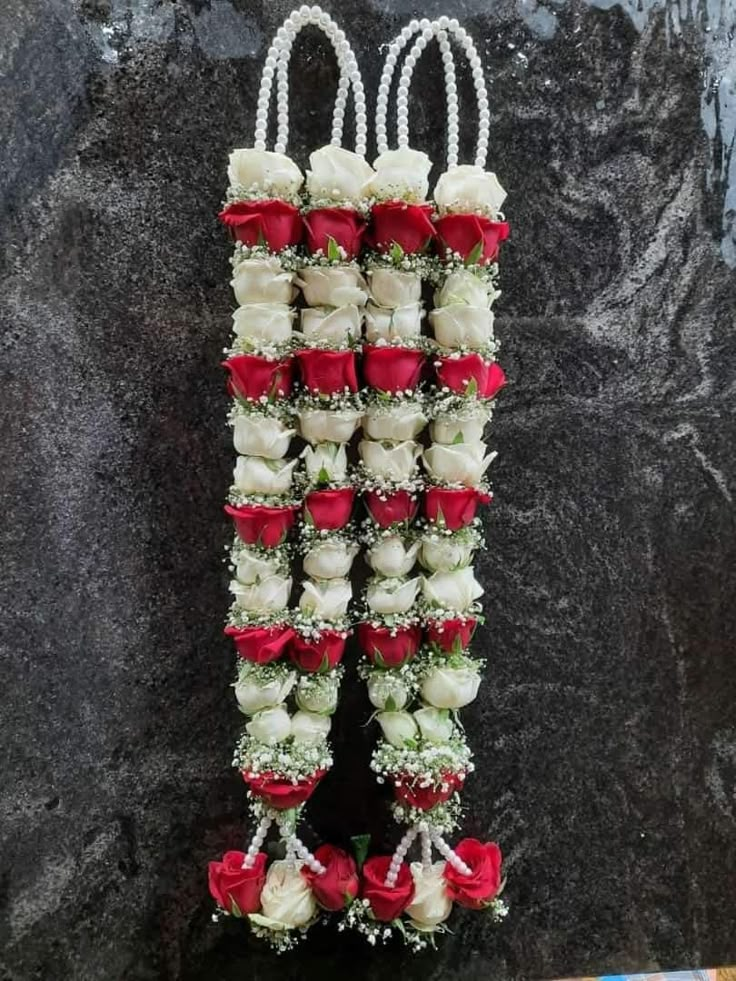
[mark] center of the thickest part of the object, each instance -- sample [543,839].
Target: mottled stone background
[606,729]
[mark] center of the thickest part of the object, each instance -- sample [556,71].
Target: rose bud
[328,372]
[397,423]
[469,188]
[328,426]
[287,899]
[270,726]
[338,885]
[463,463]
[330,559]
[337,174]
[268,595]
[257,524]
[260,644]
[262,280]
[434,724]
[264,169]
[449,429]
[318,693]
[450,688]
[456,590]
[449,635]
[387,902]
[386,691]
[477,889]
[320,654]
[252,377]
[332,286]
[343,225]
[399,728]
[310,728]
[273,223]
[392,369]
[471,236]
[402,173]
[459,326]
[470,374]
[392,288]
[388,647]
[445,554]
[390,509]
[235,888]
[392,461]
[406,225]
[431,904]
[408,791]
[329,509]
[390,596]
[463,286]
[453,509]
[279,793]
[257,435]
[253,695]
[392,556]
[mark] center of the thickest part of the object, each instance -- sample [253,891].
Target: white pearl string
[257,840]
[398,857]
[304,853]
[444,849]
[384,86]
[426,846]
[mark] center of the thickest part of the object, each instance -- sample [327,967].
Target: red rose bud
[234,888]
[328,372]
[273,223]
[473,237]
[470,375]
[397,506]
[392,369]
[387,648]
[338,885]
[260,644]
[453,509]
[321,654]
[477,889]
[343,225]
[448,635]
[329,509]
[282,794]
[252,377]
[408,791]
[257,524]
[406,225]
[387,902]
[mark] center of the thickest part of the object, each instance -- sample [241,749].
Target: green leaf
[475,253]
[399,924]
[440,522]
[457,645]
[333,249]
[458,438]
[378,658]
[234,908]
[396,253]
[324,666]
[472,387]
[390,704]
[361,844]
[308,519]
[323,476]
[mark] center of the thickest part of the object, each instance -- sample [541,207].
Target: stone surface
[606,729]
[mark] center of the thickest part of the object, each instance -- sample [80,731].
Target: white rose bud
[391,556]
[431,905]
[398,727]
[253,696]
[332,286]
[337,174]
[447,429]
[318,693]
[254,566]
[262,281]
[309,729]
[386,692]
[270,726]
[267,596]
[328,600]
[391,288]
[270,323]
[332,325]
[434,724]
[469,188]
[326,461]
[464,286]
[330,560]
[386,596]
[286,898]
[452,590]
[325,426]
[385,324]
[463,463]
[445,554]
[255,435]
[450,688]
[398,424]
[264,170]
[256,475]
[461,325]
[402,174]
[393,462]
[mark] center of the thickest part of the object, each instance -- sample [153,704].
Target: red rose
[407,225]
[447,634]
[328,372]
[282,794]
[387,648]
[453,509]
[407,789]
[478,888]
[463,233]
[343,225]
[234,888]
[387,902]
[397,506]
[317,655]
[273,223]
[458,373]
[260,644]
[392,369]
[257,524]
[338,885]
[252,376]
[329,509]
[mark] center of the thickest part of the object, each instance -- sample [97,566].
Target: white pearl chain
[426,846]
[398,857]
[444,849]
[258,838]
[304,853]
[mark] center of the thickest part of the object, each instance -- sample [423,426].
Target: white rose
[469,188]
[446,429]
[394,462]
[450,688]
[262,281]
[444,554]
[337,174]
[402,174]
[387,324]
[434,724]
[286,899]
[391,556]
[325,426]
[255,435]
[266,596]
[398,727]
[270,726]
[309,728]
[335,325]
[327,600]
[318,693]
[385,689]
[256,475]
[459,325]
[332,458]
[461,463]
[330,560]
[431,905]
[464,286]
[391,288]
[387,596]
[400,423]
[267,322]
[264,170]
[452,590]
[332,286]
[253,566]
[252,695]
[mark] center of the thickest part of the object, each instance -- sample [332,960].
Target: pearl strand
[444,849]
[481,92]
[384,86]
[426,846]
[258,838]
[304,853]
[398,857]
